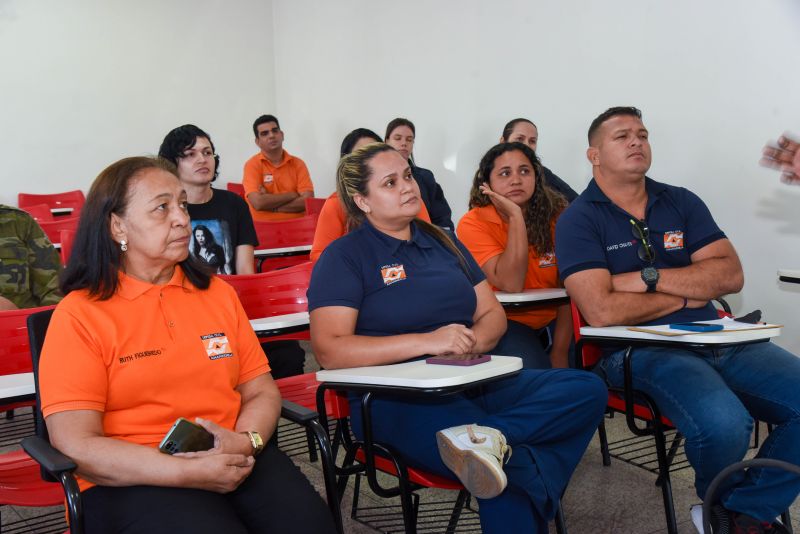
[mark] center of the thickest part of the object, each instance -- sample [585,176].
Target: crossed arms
[605,299]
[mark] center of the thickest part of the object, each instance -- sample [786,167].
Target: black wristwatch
[650,277]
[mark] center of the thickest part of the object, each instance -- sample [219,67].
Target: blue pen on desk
[697,327]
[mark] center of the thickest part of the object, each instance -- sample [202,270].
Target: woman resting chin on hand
[510,231]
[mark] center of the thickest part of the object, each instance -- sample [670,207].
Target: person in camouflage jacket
[29,263]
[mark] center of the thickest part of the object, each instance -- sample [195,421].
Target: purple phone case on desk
[459,359]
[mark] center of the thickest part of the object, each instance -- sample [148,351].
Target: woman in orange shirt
[146,334]
[331,222]
[510,232]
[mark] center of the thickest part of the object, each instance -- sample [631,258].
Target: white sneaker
[697,517]
[475,455]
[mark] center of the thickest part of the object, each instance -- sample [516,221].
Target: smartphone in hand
[697,327]
[459,359]
[185,436]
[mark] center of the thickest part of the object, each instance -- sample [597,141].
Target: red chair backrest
[233,187]
[590,354]
[67,237]
[39,212]
[302,389]
[15,351]
[54,228]
[314,205]
[68,199]
[288,233]
[272,293]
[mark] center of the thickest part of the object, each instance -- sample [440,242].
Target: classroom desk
[283,251]
[531,298]
[281,324]
[407,379]
[421,375]
[622,334]
[266,253]
[791,276]
[15,388]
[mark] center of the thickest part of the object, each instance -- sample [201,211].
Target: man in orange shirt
[275,182]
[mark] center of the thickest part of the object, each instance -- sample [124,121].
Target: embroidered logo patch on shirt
[393,273]
[267,178]
[548,260]
[216,345]
[673,240]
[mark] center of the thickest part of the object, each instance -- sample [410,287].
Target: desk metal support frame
[404,488]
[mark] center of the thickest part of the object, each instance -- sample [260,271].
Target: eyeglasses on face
[646,250]
[192,154]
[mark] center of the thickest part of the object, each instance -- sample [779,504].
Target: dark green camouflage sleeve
[29,263]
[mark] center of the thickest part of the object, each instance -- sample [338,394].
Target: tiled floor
[620,499]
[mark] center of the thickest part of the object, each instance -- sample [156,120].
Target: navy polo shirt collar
[418,237]
[654,189]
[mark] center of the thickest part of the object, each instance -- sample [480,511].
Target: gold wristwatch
[256,441]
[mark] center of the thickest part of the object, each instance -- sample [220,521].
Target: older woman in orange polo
[143,336]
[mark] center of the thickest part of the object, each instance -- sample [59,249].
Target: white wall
[83,83]
[715,79]
[86,82]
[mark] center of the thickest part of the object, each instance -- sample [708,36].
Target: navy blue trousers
[529,344]
[547,416]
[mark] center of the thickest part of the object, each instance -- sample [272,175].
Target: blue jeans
[547,417]
[712,397]
[525,342]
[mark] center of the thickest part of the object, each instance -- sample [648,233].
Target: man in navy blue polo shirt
[633,251]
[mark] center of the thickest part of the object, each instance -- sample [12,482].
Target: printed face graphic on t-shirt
[211,243]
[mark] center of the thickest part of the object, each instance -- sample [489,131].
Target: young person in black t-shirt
[221,219]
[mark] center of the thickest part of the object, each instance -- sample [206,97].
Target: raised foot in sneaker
[475,455]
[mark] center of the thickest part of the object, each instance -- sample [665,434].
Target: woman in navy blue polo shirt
[395,288]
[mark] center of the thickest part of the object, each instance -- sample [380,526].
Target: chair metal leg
[356,495]
[601,431]
[312,449]
[674,447]
[316,430]
[561,523]
[666,484]
[409,509]
[461,501]
[756,435]
[786,519]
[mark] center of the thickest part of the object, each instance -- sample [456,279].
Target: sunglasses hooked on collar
[646,250]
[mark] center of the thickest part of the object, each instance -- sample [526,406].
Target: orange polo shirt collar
[131,288]
[285,157]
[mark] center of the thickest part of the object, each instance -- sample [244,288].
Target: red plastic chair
[54,228]
[15,355]
[39,212]
[67,238]
[233,187]
[281,234]
[302,390]
[636,405]
[68,199]
[314,205]
[274,293]
[20,480]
